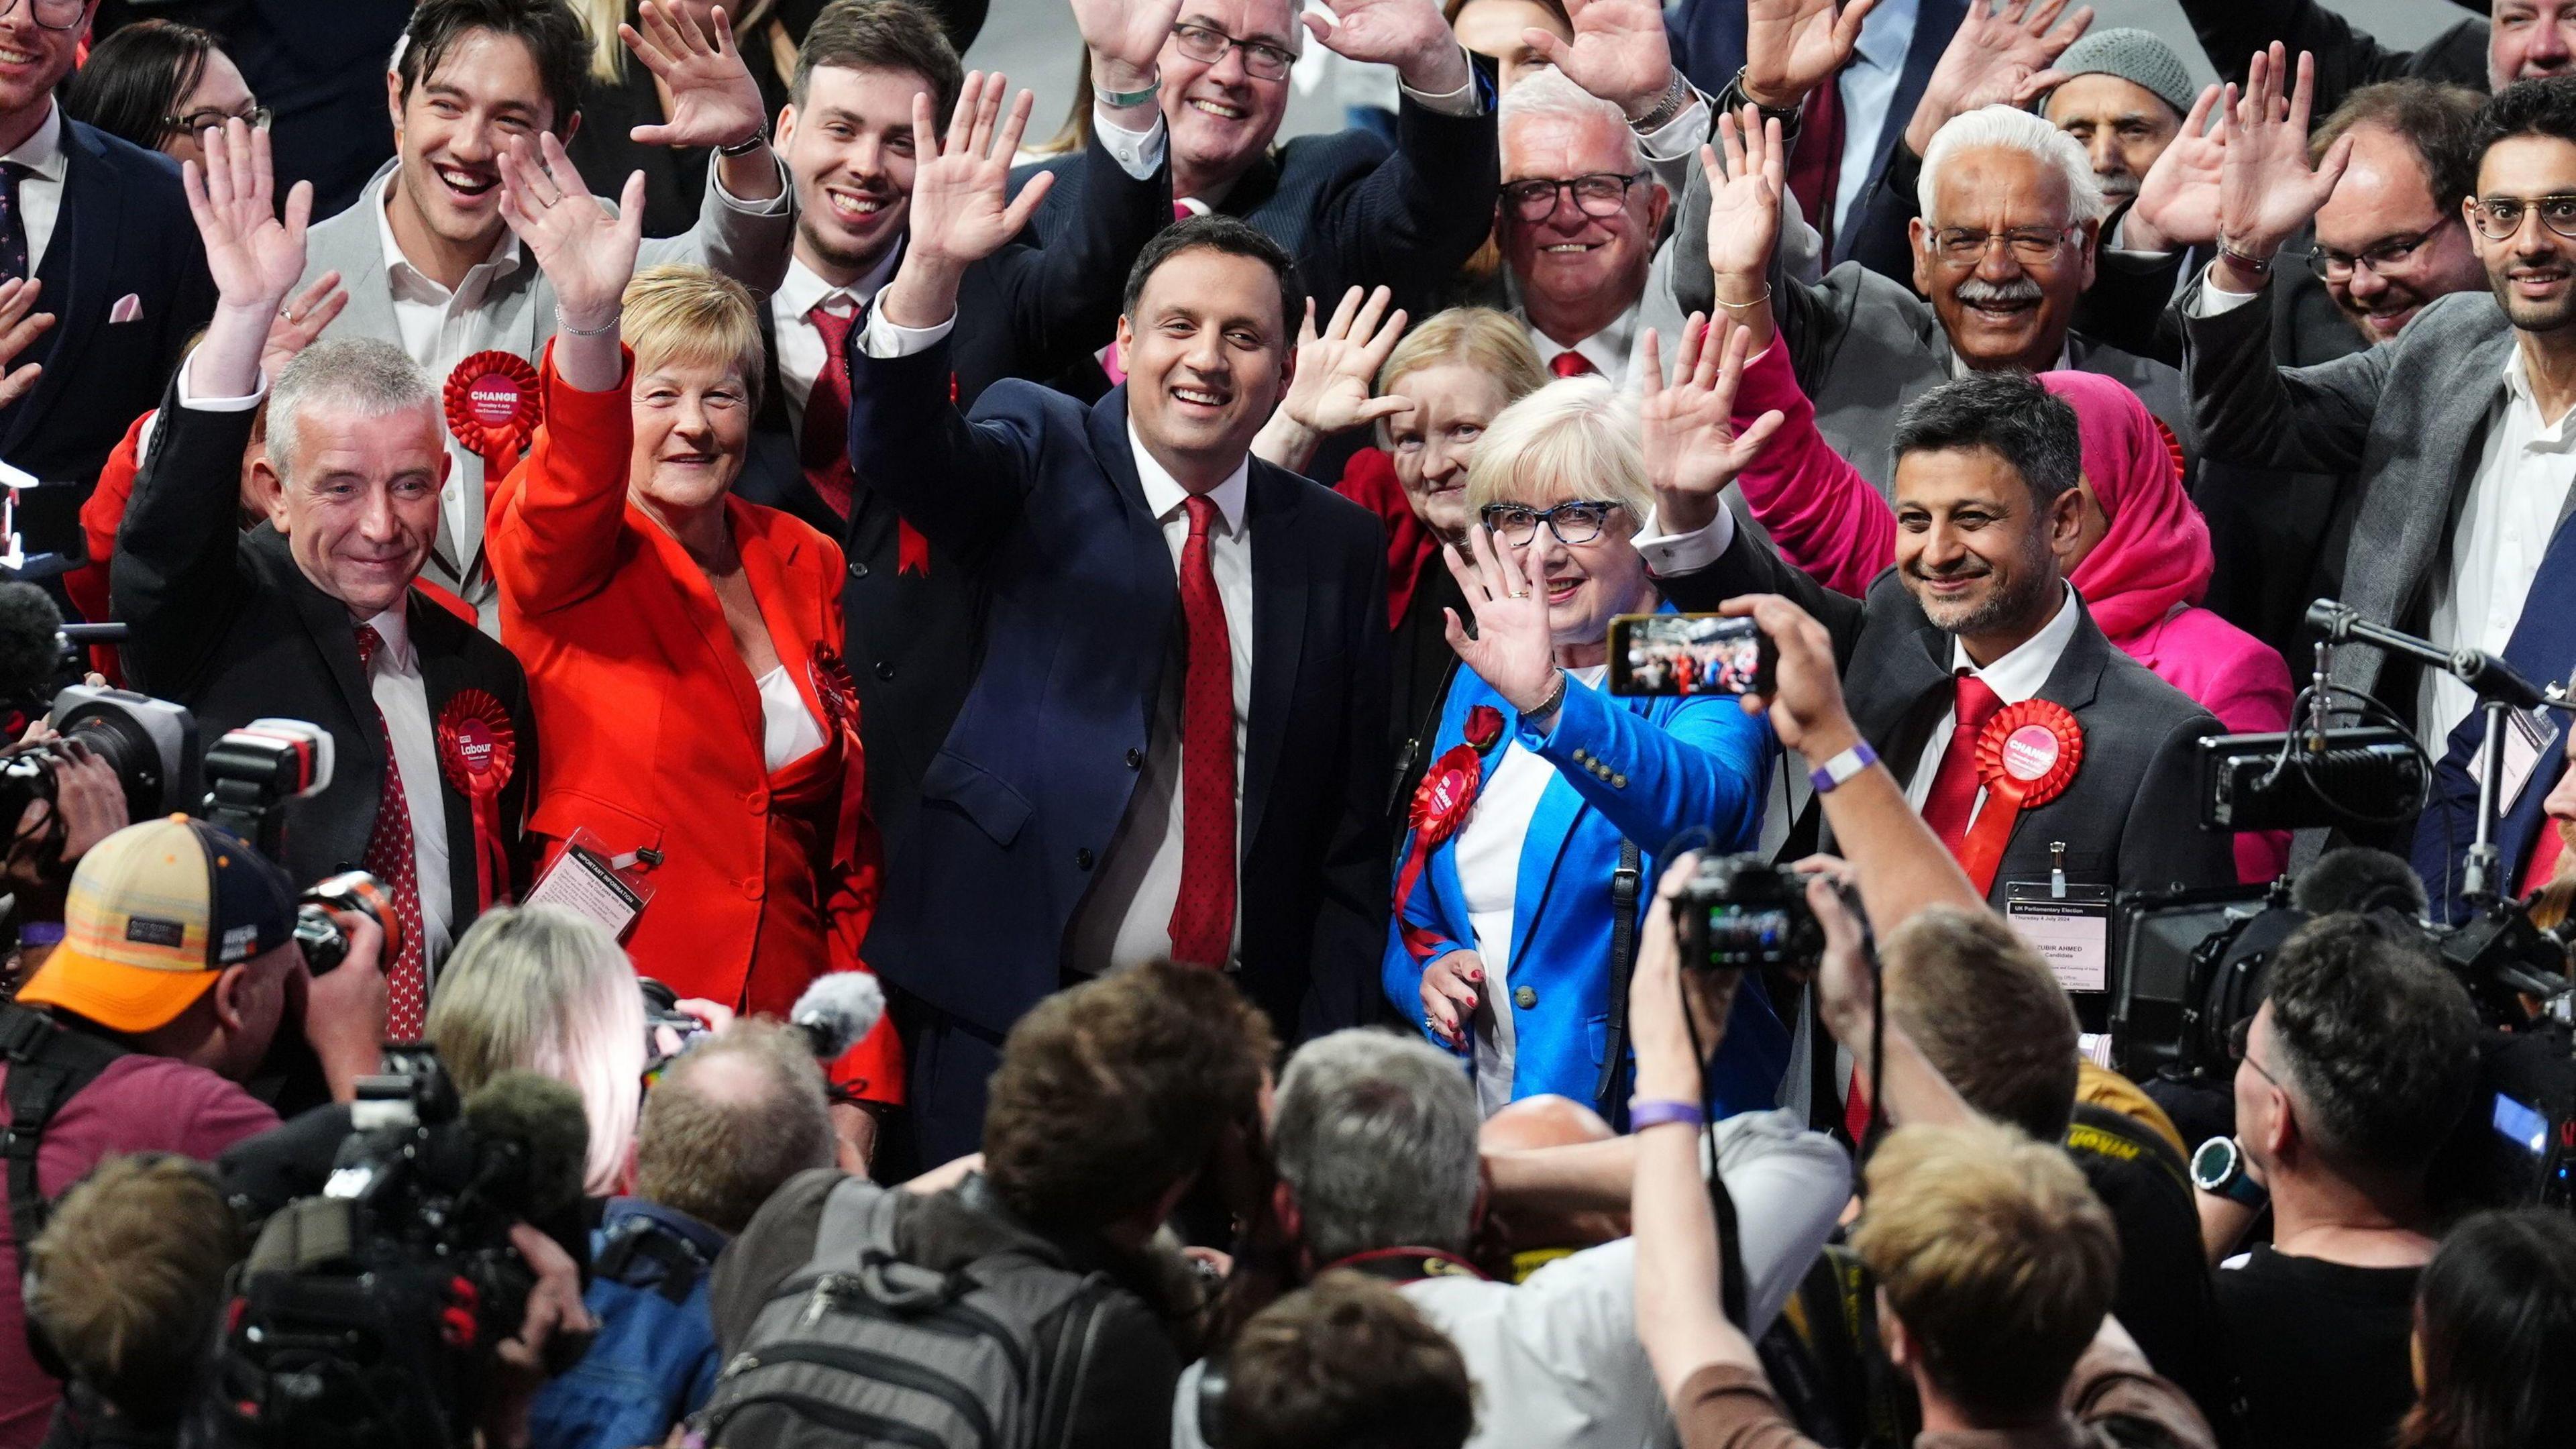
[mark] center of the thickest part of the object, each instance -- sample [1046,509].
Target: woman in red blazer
[683,647]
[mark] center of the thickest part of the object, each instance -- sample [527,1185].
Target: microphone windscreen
[28,623]
[542,1119]
[838,1009]
[2358,878]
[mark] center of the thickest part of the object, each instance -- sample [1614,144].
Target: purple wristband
[1842,767]
[1643,1114]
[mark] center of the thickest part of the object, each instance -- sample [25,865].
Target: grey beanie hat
[2137,56]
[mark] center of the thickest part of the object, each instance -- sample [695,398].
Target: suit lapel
[350,245]
[335,636]
[770,574]
[79,258]
[1280,574]
[2403,521]
[1148,556]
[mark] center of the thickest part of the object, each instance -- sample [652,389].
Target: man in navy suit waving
[1173,744]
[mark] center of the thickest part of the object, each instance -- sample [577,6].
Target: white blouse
[788,731]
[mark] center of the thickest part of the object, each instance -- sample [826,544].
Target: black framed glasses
[1261,59]
[1575,521]
[2499,217]
[2334,266]
[1600,194]
[1959,247]
[199,122]
[51,14]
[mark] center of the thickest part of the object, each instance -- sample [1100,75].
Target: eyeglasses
[2334,266]
[1575,521]
[2500,217]
[1600,194]
[197,123]
[51,14]
[1261,60]
[2033,245]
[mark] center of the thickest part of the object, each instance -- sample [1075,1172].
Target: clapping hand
[1513,649]
[20,325]
[1337,369]
[714,101]
[2177,203]
[1619,52]
[1793,46]
[2266,188]
[1407,34]
[961,206]
[1999,57]
[1687,430]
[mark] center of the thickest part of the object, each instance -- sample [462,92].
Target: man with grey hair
[316,618]
[1374,1140]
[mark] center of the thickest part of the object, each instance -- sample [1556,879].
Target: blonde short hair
[693,314]
[539,989]
[1491,342]
[1994,1254]
[127,1279]
[1574,438]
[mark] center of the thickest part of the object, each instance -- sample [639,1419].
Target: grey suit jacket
[2406,420]
[747,241]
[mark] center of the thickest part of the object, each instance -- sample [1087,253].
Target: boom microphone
[838,1009]
[531,1142]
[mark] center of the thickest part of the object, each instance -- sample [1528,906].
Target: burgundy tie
[1816,157]
[1571,364]
[390,859]
[824,449]
[1203,914]
[1952,803]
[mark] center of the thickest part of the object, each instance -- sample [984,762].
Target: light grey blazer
[748,242]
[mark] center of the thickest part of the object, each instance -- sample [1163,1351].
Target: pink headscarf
[2156,554]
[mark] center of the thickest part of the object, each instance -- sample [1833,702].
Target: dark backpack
[860,1348]
[48,1065]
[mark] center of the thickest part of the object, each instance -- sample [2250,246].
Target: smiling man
[1578,224]
[1175,741]
[427,261]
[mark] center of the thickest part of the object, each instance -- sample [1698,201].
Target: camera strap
[48,1066]
[1625,883]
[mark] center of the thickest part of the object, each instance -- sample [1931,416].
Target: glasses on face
[2334,266]
[1575,521]
[1600,194]
[199,122]
[2034,246]
[1261,60]
[51,14]
[2500,217]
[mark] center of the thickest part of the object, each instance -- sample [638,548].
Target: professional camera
[662,1010]
[1739,911]
[367,1315]
[324,942]
[150,743]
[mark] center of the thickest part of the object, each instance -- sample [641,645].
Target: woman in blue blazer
[1500,945]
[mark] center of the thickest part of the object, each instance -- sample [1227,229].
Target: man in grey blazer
[429,263]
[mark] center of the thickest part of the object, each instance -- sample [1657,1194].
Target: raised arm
[1336,371]
[2347,56]
[745,224]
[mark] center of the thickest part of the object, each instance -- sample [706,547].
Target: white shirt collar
[2018,675]
[42,152]
[504,258]
[1164,494]
[2517,389]
[1607,350]
[803,286]
[1959,365]
[394,627]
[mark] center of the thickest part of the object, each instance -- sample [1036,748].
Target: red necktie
[1203,915]
[824,450]
[1952,803]
[1816,157]
[390,859]
[2544,857]
[1571,364]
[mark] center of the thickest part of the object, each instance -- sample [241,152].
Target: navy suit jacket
[123,231]
[1039,496]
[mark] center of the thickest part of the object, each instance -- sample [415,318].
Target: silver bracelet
[1676,99]
[1760,301]
[569,330]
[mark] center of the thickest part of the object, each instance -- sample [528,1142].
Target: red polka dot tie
[390,859]
[1203,914]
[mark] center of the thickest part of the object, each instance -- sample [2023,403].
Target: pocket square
[127,308]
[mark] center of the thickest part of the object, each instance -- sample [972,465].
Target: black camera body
[1740,911]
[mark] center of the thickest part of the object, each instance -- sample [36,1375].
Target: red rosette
[1484,727]
[493,407]
[833,686]
[1439,808]
[478,748]
[2026,756]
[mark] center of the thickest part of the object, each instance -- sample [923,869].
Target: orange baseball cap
[156,912]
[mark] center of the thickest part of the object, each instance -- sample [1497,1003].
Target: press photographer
[178,967]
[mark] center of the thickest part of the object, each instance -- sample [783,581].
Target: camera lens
[129,752]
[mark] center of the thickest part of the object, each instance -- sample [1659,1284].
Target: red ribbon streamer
[2026,756]
[493,408]
[477,749]
[1440,805]
[839,696]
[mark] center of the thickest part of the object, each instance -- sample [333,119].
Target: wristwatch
[748,144]
[2219,1168]
[1733,99]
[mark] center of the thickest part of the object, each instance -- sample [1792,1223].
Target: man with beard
[1975,619]
[2456,434]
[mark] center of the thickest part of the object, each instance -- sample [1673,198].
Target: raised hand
[2177,203]
[1793,46]
[1995,57]
[1129,33]
[1514,650]
[714,101]
[2266,188]
[1337,369]
[1747,172]
[586,253]
[1687,429]
[254,254]
[1407,34]
[301,320]
[1619,52]
[961,206]
[20,325]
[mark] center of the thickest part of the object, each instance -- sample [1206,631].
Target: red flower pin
[1484,727]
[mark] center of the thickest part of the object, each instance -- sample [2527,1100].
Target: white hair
[1547,93]
[365,375]
[2003,128]
[1574,438]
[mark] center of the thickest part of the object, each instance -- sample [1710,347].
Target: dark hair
[2496,1313]
[135,79]
[1988,1012]
[549,29]
[2440,121]
[1111,1092]
[1213,233]
[882,35]
[1347,1363]
[2006,413]
[2379,1040]
[2542,107]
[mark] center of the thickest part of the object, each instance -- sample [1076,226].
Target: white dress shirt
[1126,917]
[1868,91]
[40,193]
[788,732]
[2014,678]
[395,682]
[1612,351]
[800,343]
